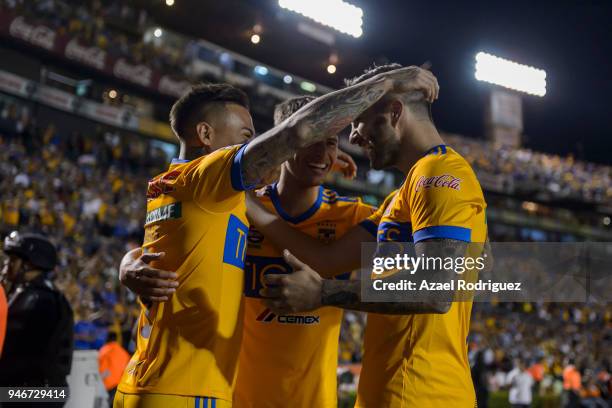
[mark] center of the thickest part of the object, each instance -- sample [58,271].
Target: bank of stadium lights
[337,14]
[169,3]
[255,38]
[158,32]
[512,75]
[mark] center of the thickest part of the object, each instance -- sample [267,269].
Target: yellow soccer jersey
[421,360]
[291,360]
[196,214]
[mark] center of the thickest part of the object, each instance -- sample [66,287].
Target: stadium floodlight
[331,69]
[287,79]
[158,32]
[337,14]
[512,75]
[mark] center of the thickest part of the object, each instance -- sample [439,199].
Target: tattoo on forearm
[338,111]
[324,117]
[347,294]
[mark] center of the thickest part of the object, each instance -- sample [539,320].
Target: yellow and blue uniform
[187,348]
[291,360]
[421,360]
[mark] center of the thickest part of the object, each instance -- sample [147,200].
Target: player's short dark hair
[194,102]
[111,336]
[371,72]
[420,108]
[287,108]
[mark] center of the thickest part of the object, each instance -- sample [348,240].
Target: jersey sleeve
[444,199]
[371,222]
[216,181]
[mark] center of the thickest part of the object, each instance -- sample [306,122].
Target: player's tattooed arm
[305,290]
[325,117]
[321,118]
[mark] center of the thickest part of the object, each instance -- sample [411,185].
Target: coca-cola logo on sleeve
[39,35]
[443,181]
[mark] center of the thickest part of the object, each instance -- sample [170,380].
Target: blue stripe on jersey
[197,402]
[369,226]
[443,231]
[300,218]
[236,171]
[390,231]
[213,403]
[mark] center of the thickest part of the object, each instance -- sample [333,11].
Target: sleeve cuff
[236,171]
[443,231]
[370,226]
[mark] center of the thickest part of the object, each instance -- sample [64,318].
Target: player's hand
[151,284]
[345,165]
[411,79]
[299,291]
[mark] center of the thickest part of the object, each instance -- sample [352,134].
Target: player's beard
[384,152]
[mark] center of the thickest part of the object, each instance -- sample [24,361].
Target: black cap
[34,248]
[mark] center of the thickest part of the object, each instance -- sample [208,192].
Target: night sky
[571,40]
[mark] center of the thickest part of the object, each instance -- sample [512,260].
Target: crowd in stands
[561,177]
[566,348]
[111,25]
[98,22]
[85,191]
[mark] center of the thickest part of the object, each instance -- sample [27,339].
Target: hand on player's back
[151,284]
[299,291]
[410,79]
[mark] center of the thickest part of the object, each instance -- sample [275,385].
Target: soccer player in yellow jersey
[291,360]
[187,348]
[415,353]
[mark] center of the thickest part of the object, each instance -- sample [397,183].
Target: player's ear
[395,108]
[205,134]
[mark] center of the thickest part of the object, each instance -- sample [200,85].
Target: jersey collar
[300,218]
[436,149]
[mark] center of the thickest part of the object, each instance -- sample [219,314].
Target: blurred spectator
[520,382]
[572,385]
[112,360]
